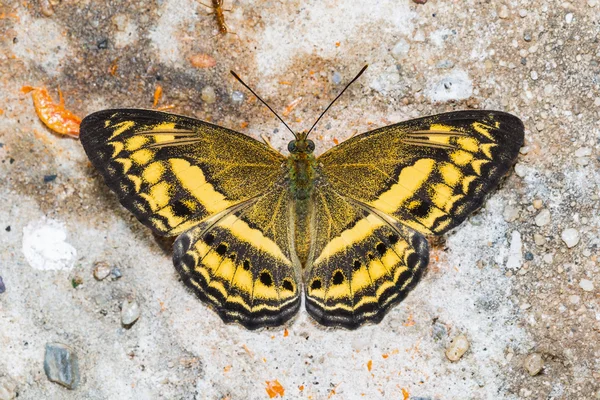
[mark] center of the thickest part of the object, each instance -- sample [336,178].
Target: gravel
[570,236]
[457,348]
[61,365]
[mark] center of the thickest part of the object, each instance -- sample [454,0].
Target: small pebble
[130,312]
[586,285]
[400,49]
[8,388]
[570,236]
[208,95]
[420,1]
[336,78]
[511,213]
[2,286]
[61,365]
[522,13]
[116,273]
[445,64]
[583,152]
[457,348]
[534,75]
[569,18]
[548,258]
[592,3]
[46,8]
[574,299]
[527,36]
[537,204]
[533,364]
[543,217]
[237,97]
[101,270]
[539,239]
[49,178]
[520,170]
[503,13]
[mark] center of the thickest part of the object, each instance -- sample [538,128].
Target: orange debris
[244,125]
[274,388]
[113,67]
[285,333]
[202,61]
[370,365]
[227,368]
[409,321]
[157,95]
[405,394]
[337,44]
[54,116]
[336,141]
[301,388]
[290,107]
[385,356]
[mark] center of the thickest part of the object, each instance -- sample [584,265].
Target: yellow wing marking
[193,180]
[120,127]
[410,180]
[483,129]
[242,231]
[361,230]
[461,157]
[153,172]
[142,157]
[450,173]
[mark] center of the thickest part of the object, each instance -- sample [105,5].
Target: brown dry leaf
[202,61]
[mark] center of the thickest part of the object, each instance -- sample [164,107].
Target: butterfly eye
[310,145]
[292,146]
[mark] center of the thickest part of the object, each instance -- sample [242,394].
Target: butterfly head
[301,145]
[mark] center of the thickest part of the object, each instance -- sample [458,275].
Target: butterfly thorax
[302,174]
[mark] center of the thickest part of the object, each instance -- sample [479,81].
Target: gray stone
[2,287]
[61,365]
[457,348]
[237,97]
[533,364]
[130,312]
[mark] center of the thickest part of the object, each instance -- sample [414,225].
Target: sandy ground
[506,279]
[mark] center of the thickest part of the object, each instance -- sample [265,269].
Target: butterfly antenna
[262,101]
[338,96]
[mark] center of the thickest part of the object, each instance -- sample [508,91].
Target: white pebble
[511,213]
[520,170]
[130,312]
[570,236]
[534,75]
[574,299]
[8,389]
[400,49]
[592,3]
[522,13]
[457,348]
[543,217]
[503,13]
[515,252]
[569,18]
[583,152]
[586,285]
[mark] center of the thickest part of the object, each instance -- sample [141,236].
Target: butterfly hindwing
[428,173]
[362,262]
[171,171]
[242,262]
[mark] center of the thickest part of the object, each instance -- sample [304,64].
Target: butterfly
[258,231]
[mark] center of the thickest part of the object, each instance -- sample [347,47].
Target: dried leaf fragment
[54,116]
[202,61]
[274,389]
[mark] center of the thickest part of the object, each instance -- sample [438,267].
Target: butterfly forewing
[428,173]
[171,171]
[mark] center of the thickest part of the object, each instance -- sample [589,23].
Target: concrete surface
[505,279]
